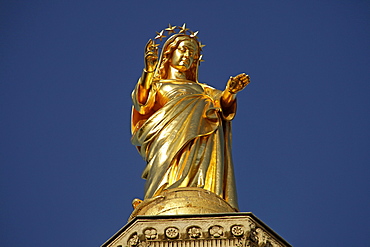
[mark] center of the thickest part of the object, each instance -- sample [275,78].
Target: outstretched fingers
[151,55]
[238,83]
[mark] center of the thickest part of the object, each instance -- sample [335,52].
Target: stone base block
[202,230]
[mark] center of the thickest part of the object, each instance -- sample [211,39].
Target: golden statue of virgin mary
[182,128]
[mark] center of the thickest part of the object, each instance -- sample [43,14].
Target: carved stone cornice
[207,230]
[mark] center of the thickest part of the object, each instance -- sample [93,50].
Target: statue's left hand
[237,83]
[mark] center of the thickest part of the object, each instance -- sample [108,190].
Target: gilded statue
[181,127]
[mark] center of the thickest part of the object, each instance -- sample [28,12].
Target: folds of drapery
[186,142]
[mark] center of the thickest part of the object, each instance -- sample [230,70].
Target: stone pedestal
[198,230]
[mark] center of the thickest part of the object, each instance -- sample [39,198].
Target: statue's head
[181,51]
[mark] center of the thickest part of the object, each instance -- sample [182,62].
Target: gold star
[200,58]
[201,46]
[160,36]
[170,29]
[183,29]
[194,35]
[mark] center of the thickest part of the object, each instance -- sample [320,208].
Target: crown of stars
[172,30]
[181,30]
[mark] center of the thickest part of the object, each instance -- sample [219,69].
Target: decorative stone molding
[237,231]
[172,232]
[216,231]
[210,230]
[133,240]
[150,233]
[195,232]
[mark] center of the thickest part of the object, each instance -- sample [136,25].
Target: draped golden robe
[185,138]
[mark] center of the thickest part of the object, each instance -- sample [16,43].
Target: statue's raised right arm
[150,63]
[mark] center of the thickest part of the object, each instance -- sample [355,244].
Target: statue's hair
[168,49]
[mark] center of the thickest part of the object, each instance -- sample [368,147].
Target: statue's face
[183,56]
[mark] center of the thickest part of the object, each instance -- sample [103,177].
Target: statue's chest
[168,91]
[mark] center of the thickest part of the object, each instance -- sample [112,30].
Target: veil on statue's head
[167,50]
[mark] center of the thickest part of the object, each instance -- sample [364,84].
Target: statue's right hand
[151,56]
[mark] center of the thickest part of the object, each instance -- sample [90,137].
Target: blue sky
[301,137]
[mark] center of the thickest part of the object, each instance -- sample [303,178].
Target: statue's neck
[176,74]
